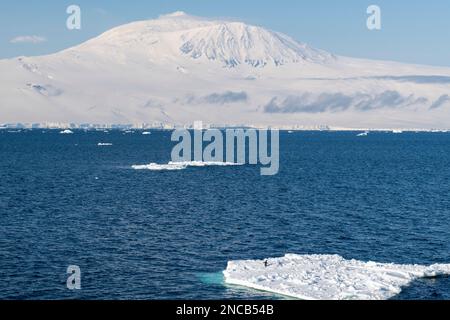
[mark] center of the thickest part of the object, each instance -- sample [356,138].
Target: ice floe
[66,132]
[104,144]
[328,277]
[180,165]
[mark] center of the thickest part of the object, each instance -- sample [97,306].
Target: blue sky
[412,31]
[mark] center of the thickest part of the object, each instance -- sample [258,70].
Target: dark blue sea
[168,235]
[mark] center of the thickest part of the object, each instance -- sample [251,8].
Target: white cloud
[28,39]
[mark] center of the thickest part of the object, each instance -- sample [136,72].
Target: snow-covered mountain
[178,69]
[229,43]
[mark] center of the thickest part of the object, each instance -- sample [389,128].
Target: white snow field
[328,277]
[181,165]
[178,69]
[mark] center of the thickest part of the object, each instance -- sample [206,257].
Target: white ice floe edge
[180,165]
[253,286]
[328,277]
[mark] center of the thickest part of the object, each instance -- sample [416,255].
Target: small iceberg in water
[103,144]
[180,165]
[363,134]
[146,133]
[66,132]
[328,277]
[160,167]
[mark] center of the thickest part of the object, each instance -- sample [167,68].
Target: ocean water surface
[142,234]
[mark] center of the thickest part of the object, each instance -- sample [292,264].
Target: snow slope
[328,277]
[179,69]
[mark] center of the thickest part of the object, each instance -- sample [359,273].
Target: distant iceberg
[328,277]
[103,144]
[160,167]
[180,165]
[363,134]
[66,132]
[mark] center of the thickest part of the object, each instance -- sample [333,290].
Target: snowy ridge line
[181,165]
[328,277]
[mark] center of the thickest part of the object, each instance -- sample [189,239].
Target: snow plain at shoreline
[328,277]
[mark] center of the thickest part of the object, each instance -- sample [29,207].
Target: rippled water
[139,234]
